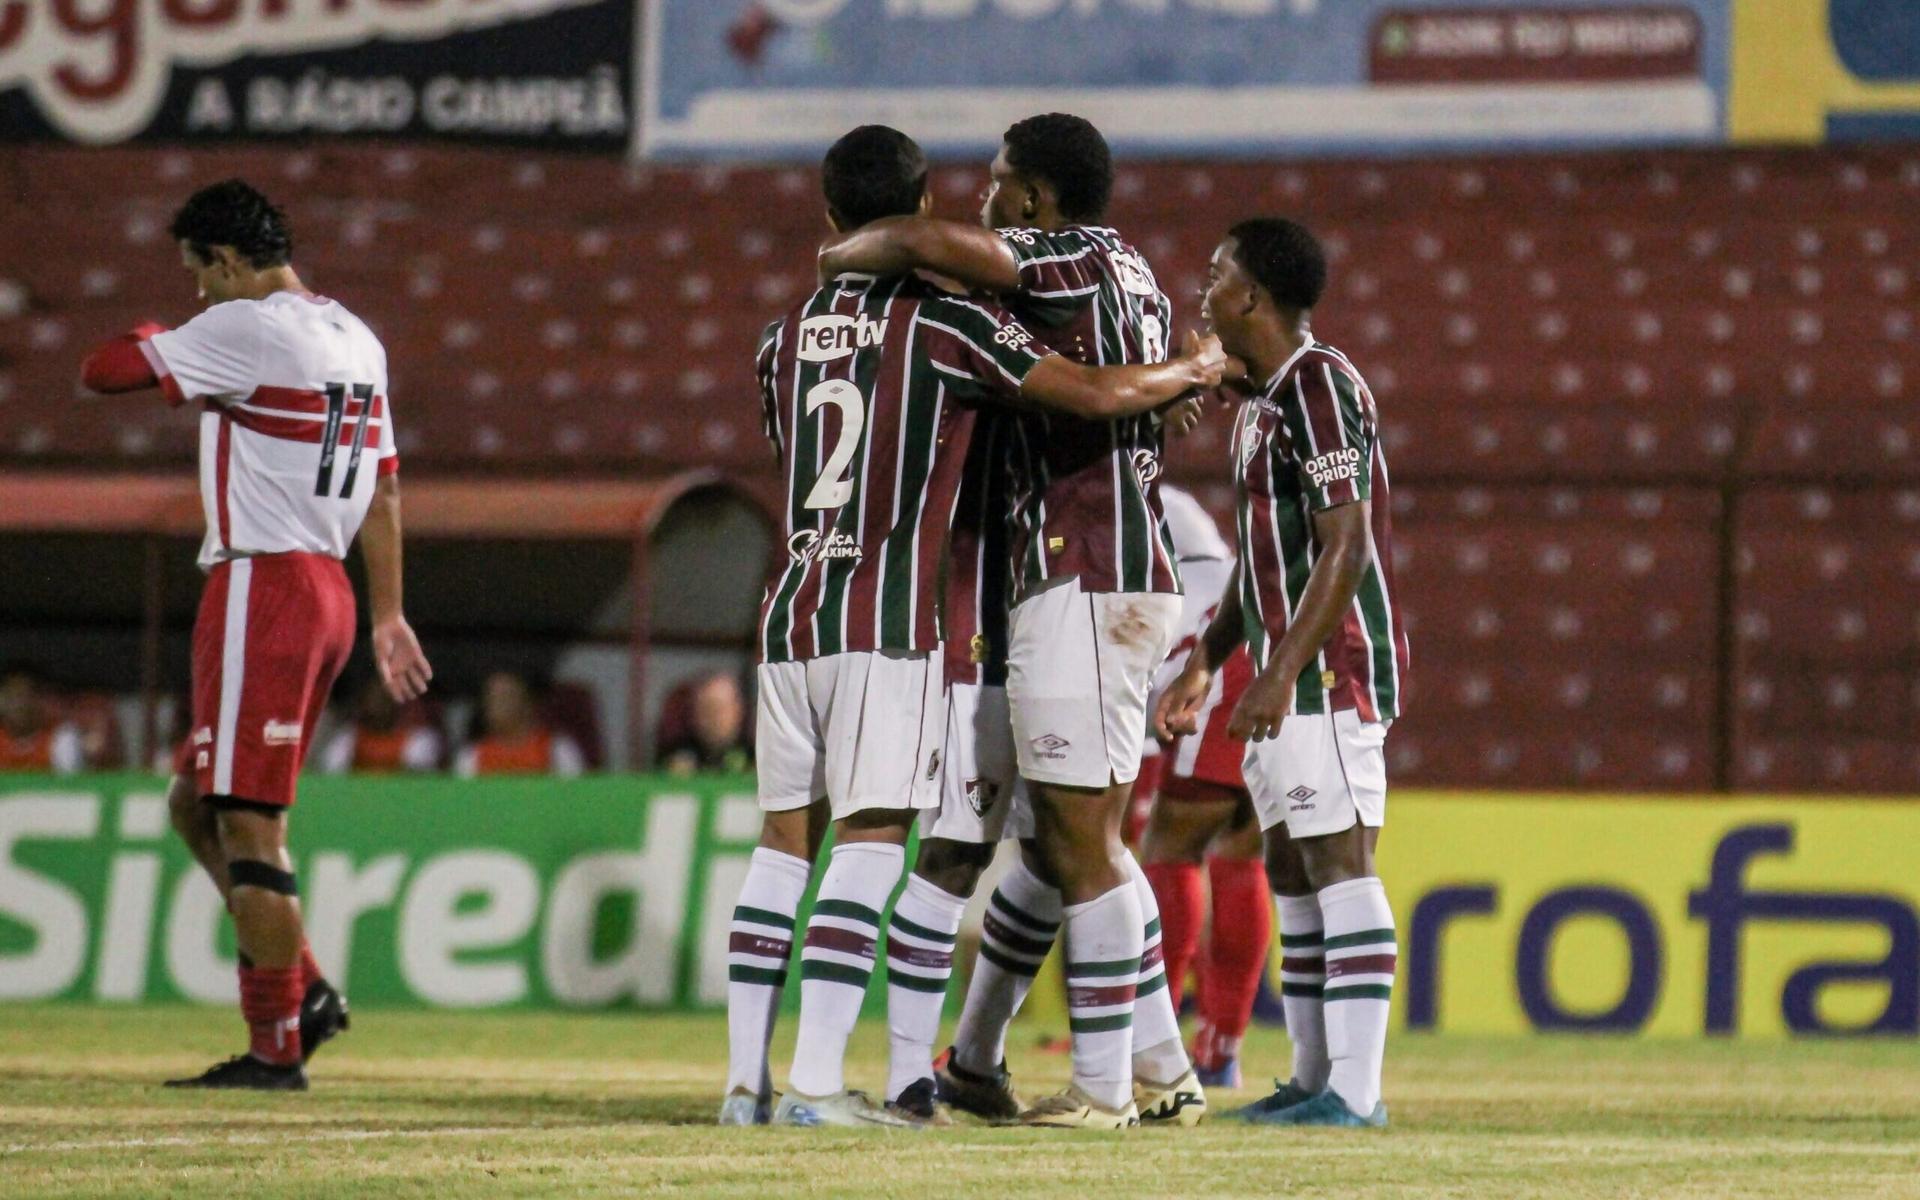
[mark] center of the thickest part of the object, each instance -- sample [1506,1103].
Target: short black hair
[1283,257]
[234,213]
[872,172]
[1069,153]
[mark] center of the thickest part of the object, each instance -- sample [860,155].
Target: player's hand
[1208,359]
[1179,709]
[1235,379]
[1183,416]
[1262,707]
[827,262]
[402,664]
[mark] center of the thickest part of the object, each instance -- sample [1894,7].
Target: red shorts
[1210,756]
[273,634]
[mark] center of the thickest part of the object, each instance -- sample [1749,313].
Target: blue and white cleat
[1285,1095]
[1326,1110]
[746,1108]
[845,1108]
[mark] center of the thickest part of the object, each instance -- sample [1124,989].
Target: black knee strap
[251,872]
[225,803]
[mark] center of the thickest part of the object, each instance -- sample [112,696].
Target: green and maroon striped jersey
[869,389]
[979,568]
[1085,493]
[1308,442]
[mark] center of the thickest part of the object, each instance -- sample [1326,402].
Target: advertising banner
[1185,76]
[1516,914]
[1814,70]
[556,72]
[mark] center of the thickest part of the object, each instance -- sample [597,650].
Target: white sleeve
[215,356]
[568,762]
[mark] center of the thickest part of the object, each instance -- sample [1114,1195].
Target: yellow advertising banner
[1809,70]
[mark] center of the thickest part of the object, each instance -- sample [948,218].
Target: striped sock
[836,959]
[919,962]
[1303,973]
[1105,936]
[1360,962]
[1158,1054]
[758,947]
[1022,919]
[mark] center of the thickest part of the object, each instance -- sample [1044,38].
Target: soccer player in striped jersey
[1096,609]
[297,456]
[1313,600]
[870,388]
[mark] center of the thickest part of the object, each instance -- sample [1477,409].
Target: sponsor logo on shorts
[281,733]
[933,764]
[201,760]
[203,736]
[980,795]
[1051,746]
[1301,797]
[807,544]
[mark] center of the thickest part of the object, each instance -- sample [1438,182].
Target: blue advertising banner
[1178,76]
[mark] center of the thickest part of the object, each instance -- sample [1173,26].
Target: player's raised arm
[122,364]
[1105,393]
[968,254]
[397,655]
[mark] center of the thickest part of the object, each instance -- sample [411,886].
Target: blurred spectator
[31,737]
[381,738]
[716,737]
[513,739]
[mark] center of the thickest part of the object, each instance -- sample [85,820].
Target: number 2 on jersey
[835,485]
[330,436]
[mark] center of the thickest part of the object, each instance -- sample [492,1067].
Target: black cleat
[989,1096]
[919,1103]
[246,1071]
[323,1017]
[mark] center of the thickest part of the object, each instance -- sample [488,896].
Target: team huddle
[980,588]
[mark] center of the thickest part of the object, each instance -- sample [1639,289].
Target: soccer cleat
[1183,1103]
[989,1096]
[1285,1095]
[1074,1109]
[746,1108]
[323,1017]
[845,1108]
[920,1104]
[1224,1074]
[1326,1109]
[246,1071]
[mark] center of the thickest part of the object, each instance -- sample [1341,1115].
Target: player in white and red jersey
[296,453]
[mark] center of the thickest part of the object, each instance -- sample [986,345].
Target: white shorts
[862,729]
[1324,772]
[981,798]
[1078,668]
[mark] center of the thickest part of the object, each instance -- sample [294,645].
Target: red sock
[309,968]
[1237,951]
[1183,906]
[270,1001]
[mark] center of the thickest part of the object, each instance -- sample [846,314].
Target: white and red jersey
[297,425]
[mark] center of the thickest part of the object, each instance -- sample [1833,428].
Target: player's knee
[252,832]
[789,833]
[953,867]
[184,807]
[1334,858]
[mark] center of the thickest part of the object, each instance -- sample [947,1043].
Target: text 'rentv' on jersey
[296,424]
[1086,494]
[1309,442]
[979,566]
[869,388]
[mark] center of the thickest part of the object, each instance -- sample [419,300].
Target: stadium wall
[1517,913]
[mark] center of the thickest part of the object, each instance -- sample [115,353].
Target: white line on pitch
[278,1138]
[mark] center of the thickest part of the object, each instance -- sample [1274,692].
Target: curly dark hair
[873,171]
[234,213]
[1069,153]
[1284,258]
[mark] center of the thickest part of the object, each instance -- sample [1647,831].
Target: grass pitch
[437,1104]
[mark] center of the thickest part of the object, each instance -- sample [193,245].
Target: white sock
[919,962]
[836,959]
[1303,973]
[1104,939]
[758,947]
[1022,919]
[1360,962]
[1158,1054]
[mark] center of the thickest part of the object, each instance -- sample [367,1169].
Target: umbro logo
[1301,797]
[933,765]
[1051,746]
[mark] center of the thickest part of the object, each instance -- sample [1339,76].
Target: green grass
[444,1105]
